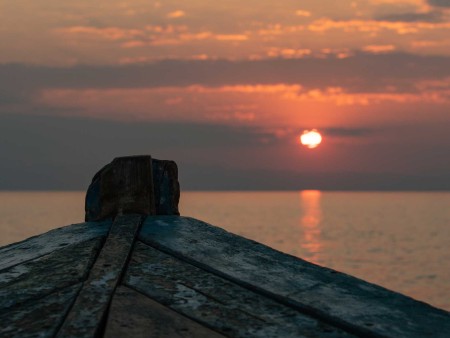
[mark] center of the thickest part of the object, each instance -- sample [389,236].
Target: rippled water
[398,240]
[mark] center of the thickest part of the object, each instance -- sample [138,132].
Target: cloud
[43,152]
[430,43]
[374,26]
[94,35]
[288,53]
[376,49]
[249,89]
[107,33]
[396,2]
[273,30]
[260,92]
[231,37]
[439,3]
[150,35]
[362,72]
[349,132]
[432,16]
[327,132]
[46,152]
[258,105]
[176,14]
[303,13]
[158,134]
[229,103]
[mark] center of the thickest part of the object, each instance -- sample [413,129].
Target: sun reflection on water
[310,223]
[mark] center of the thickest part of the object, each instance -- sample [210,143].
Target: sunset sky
[225,90]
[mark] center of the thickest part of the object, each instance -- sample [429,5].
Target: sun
[311,138]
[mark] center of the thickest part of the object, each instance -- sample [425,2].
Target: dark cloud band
[360,73]
[439,3]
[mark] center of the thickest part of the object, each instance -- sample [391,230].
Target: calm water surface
[398,240]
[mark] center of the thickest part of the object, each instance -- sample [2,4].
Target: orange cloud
[263,105]
[125,103]
[173,101]
[138,59]
[196,95]
[239,102]
[429,43]
[107,33]
[148,59]
[286,90]
[339,97]
[231,116]
[231,37]
[200,57]
[166,29]
[303,13]
[442,85]
[288,53]
[377,49]
[396,2]
[150,35]
[373,26]
[133,44]
[417,3]
[431,91]
[420,5]
[176,14]
[340,53]
[181,33]
[278,29]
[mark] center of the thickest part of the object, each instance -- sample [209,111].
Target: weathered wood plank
[216,302]
[88,313]
[37,278]
[166,187]
[344,301]
[123,186]
[56,239]
[39,318]
[134,315]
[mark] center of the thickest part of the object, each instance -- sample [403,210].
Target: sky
[225,90]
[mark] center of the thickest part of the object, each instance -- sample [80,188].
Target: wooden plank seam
[343,301]
[304,309]
[82,284]
[104,323]
[215,302]
[88,314]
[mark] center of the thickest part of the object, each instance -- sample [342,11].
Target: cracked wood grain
[336,298]
[53,240]
[216,302]
[134,315]
[86,318]
[37,278]
[38,318]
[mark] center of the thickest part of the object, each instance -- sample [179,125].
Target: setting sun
[311,138]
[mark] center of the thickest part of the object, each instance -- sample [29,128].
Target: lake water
[400,240]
